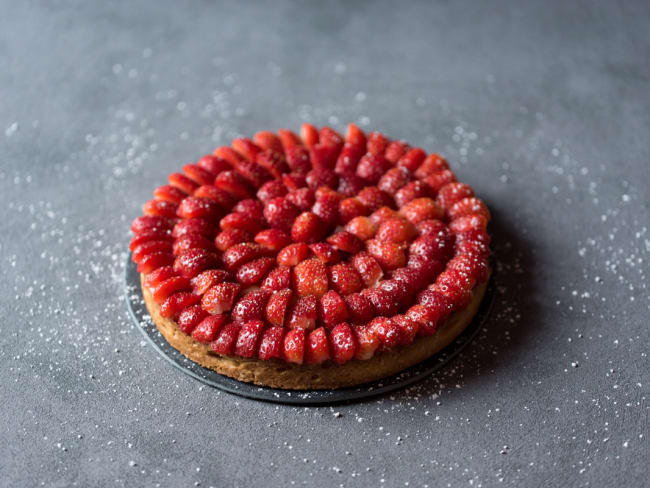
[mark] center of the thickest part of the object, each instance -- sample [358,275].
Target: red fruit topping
[150,235]
[437,302]
[412,279]
[220,298]
[248,338]
[422,209]
[156,277]
[384,302]
[372,167]
[360,309]
[288,139]
[280,213]
[229,154]
[431,227]
[222,198]
[377,143]
[207,279]
[323,156]
[348,159]
[343,344]
[252,272]
[293,254]
[396,230]
[456,278]
[240,254]
[269,141]
[233,183]
[274,162]
[435,247]
[389,254]
[468,206]
[317,348]
[321,177]
[308,134]
[199,175]
[278,306]
[325,252]
[246,148]
[373,198]
[329,137]
[294,346]
[367,342]
[426,318]
[472,248]
[170,286]
[474,235]
[432,164]
[303,313]
[154,261]
[182,182]
[468,223]
[427,268]
[332,309]
[194,226]
[308,227]
[298,160]
[254,173]
[207,330]
[228,238]
[150,247]
[310,278]
[192,241]
[176,303]
[190,317]
[396,288]
[344,279]
[168,193]
[160,208]
[452,193]
[193,261]
[384,213]
[412,159]
[362,227]
[303,198]
[396,150]
[273,239]
[475,266]
[294,181]
[368,268]
[226,338]
[394,179]
[327,208]
[278,278]
[411,191]
[437,180]
[456,295]
[388,333]
[355,136]
[271,189]
[213,164]
[271,344]
[250,207]
[350,185]
[346,241]
[147,223]
[199,208]
[408,329]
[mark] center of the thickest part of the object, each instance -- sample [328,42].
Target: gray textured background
[543,108]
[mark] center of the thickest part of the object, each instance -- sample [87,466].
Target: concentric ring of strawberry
[312,247]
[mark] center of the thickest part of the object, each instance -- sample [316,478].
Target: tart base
[278,374]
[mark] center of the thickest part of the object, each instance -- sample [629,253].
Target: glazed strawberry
[199,175]
[343,344]
[294,181]
[412,159]
[294,346]
[228,238]
[384,302]
[273,239]
[148,223]
[427,268]
[228,154]
[280,213]
[293,254]
[350,184]
[277,308]
[249,336]
[298,160]
[220,298]
[190,317]
[325,191]
[454,192]
[452,277]
[240,254]
[362,227]
[372,167]
[389,254]
[476,266]
[308,134]
[213,164]
[222,198]
[367,342]
[432,164]
[346,242]
[437,302]
[317,348]
[151,262]
[412,280]
[308,227]
[327,208]
[397,288]
[150,247]
[267,140]
[332,309]
[207,329]
[422,209]
[252,272]
[160,208]
[388,333]
[271,189]
[303,198]
[254,173]
[192,241]
[176,303]
[194,226]
[250,207]
[348,159]
[354,135]
[226,338]
[310,278]
[168,193]
[435,247]
[408,329]
[170,286]
[395,150]
[199,208]
[288,138]
[431,227]
[394,179]
[468,223]
[193,261]
[156,277]
[472,248]
[436,181]
[234,183]
[329,137]
[246,148]
[271,344]
[468,206]
[475,236]
[182,182]
[373,198]
[426,318]
[303,313]
[325,252]
[274,162]
[324,156]
[377,143]
[207,279]
[344,279]
[368,268]
[360,309]
[278,278]
[396,230]
[318,177]
[411,191]
[384,213]
[456,295]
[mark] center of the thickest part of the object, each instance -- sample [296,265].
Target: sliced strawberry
[277,308]
[194,226]
[355,136]
[310,278]
[303,198]
[389,254]
[436,181]
[193,261]
[228,154]
[293,254]
[170,286]
[254,173]
[156,277]
[325,252]
[377,143]
[472,248]
[327,208]
[280,213]
[317,349]
[396,230]
[273,239]
[271,343]
[298,160]
[213,164]
[454,192]
[207,279]
[199,175]
[394,179]
[368,268]
[241,221]
[206,331]
[348,159]
[468,206]
[182,182]
[176,303]
[388,333]
[234,183]
[303,313]
[294,181]
[271,189]
[372,167]
[150,247]
[278,278]
[332,309]
[274,162]
[248,338]
[225,342]
[269,141]
[288,139]
[190,317]
[321,176]
[148,223]
[168,193]
[433,163]
[396,288]
[228,238]
[431,227]
[469,223]
[350,184]
[250,207]
[367,342]
[150,235]
[160,208]
[240,254]
[199,208]
[412,279]
[324,156]
[343,343]
[411,191]
[437,302]
[222,198]
[425,317]
[435,247]
[373,198]
[384,302]
[246,147]
[252,272]
[346,242]
[395,150]
[408,329]
[422,209]
[294,346]
[344,279]
[412,159]
[382,214]
[220,298]
[192,241]
[308,134]
[308,227]
[360,309]
[427,268]
[362,227]
[156,260]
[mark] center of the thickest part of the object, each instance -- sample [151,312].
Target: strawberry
[472,248]
[324,156]
[213,164]
[171,285]
[431,227]
[271,189]
[246,148]
[149,223]
[454,277]
[280,213]
[384,303]
[360,309]
[303,198]
[325,252]
[252,272]
[346,242]
[368,268]
[350,184]
[468,223]
[362,227]
[278,278]
[288,139]
[250,207]
[411,191]
[150,235]
[294,181]
[412,280]
[329,137]
[317,347]
[412,159]
[332,309]
[176,303]
[249,336]
[327,208]
[182,182]
[274,162]
[384,213]
[422,209]
[254,173]
[228,238]
[271,343]
[294,346]
[240,254]
[308,227]
[439,247]
[475,266]
[267,140]
[278,306]
[468,206]
[229,154]
[377,143]
[220,298]
[156,260]
[192,241]
[372,167]
[293,254]
[396,230]
[150,247]
[388,333]
[308,134]
[396,288]
[302,314]
[199,175]
[318,177]
[344,279]
[224,344]
[273,239]
[351,208]
[373,198]
[432,164]
[437,302]
[199,208]
[389,254]
[207,279]
[475,236]
[160,208]
[408,329]
[298,160]
[394,179]
[234,183]
[207,329]
[193,261]
[343,344]
[453,192]
[435,181]
[168,193]
[426,268]
[454,293]
[395,150]
[190,317]
[156,277]
[426,318]
[367,342]
[348,159]
[222,198]
[310,278]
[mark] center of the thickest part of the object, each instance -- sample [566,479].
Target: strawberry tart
[312,260]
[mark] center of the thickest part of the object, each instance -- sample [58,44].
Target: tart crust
[279,374]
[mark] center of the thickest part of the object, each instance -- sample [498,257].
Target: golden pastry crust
[278,374]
